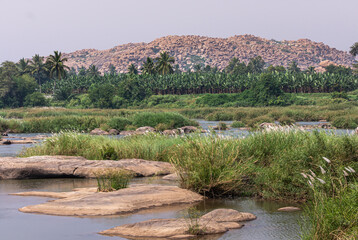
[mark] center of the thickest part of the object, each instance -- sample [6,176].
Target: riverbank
[343,115]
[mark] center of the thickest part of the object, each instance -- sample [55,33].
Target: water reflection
[269,225]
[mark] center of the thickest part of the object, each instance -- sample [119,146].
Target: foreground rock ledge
[215,222]
[66,166]
[87,202]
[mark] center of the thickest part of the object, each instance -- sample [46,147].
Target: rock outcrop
[98,131]
[66,166]
[88,202]
[215,222]
[217,52]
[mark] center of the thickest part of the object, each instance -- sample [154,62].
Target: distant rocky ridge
[191,50]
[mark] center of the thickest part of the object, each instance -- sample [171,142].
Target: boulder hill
[191,50]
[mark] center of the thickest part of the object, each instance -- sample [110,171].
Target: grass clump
[112,179]
[209,166]
[237,124]
[333,211]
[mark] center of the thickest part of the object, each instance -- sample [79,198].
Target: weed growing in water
[112,179]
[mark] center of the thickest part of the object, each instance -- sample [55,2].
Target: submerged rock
[128,133]
[289,209]
[188,129]
[98,131]
[267,125]
[86,202]
[67,166]
[171,177]
[171,132]
[214,222]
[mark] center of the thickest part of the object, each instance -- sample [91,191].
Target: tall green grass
[333,212]
[264,164]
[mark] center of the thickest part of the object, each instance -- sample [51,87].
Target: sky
[29,27]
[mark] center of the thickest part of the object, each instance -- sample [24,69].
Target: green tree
[256,65]
[56,66]
[354,49]
[38,68]
[132,69]
[293,67]
[273,69]
[198,68]
[101,95]
[112,70]
[8,71]
[164,63]
[148,66]
[93,71]
[23,66]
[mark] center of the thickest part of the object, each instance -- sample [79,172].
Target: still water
[15,225]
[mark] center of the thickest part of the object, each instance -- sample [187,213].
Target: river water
[15,225]
[269,225]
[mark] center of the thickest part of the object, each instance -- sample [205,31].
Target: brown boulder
[145,129]
[98,131]
[188,129]
[214,222]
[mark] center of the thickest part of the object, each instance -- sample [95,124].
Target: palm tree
[132,69]
[56,65]
[23,66]
[93,71]
[148,66]
[164,63]
[112,70]
[354,49]
[37,67]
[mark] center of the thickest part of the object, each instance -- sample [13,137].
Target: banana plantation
[199,83]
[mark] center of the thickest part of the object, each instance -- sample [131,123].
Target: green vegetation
[252,84]
[112,179]
[264,164]
[46,121]
[333,212]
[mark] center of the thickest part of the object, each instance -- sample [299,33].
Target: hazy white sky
[28,27]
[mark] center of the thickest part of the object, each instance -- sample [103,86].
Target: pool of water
[269,225]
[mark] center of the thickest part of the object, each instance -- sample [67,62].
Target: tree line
[22,83]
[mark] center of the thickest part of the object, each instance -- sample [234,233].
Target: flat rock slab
[66,166]
[87,202]
[211,223]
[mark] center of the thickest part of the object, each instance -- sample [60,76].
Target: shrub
[112,179]
[172,120]
[119,123]
[62,93]
[284,120]
[35,99]
[237,124]
[161,127]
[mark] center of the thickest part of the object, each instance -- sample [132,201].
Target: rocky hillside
[191,50]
